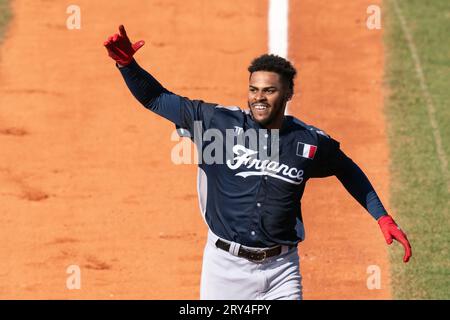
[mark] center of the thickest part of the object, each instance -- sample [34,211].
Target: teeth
[260,106]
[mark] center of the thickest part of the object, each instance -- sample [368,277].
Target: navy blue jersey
[253,196]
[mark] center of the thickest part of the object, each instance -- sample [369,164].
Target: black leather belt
[250,254]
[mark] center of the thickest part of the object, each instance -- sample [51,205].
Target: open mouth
[260,106]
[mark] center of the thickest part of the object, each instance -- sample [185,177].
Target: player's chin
[262,118]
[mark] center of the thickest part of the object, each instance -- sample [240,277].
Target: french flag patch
[306,150]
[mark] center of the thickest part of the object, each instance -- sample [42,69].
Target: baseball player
[251,201]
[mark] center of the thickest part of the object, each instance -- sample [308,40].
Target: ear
[289,95]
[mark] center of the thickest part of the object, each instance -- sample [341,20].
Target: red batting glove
[392,231]
[120,48]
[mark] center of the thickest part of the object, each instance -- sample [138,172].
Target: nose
[259,96]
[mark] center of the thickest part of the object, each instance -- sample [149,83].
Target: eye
[252,90]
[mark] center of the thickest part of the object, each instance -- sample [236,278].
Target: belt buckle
[263,257]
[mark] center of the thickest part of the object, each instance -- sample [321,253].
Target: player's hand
[391,231]
[120,47]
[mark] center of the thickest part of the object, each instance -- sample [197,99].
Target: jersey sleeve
[332,161]
[328,157]
[181,111]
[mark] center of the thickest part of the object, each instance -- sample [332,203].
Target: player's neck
[277,123]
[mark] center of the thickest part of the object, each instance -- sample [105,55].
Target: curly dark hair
[277,64]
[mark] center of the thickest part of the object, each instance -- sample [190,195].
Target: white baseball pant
[229,277]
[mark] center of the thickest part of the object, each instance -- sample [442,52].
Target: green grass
[419,193]
[5,16]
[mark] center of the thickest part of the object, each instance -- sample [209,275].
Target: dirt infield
[85,172]
[341,69]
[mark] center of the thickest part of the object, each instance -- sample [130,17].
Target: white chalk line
[426,93]
[278,27]
[278,21]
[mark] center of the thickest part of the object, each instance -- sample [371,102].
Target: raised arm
[181,111]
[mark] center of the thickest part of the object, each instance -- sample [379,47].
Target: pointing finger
[405,243]
[122,31]
[407,247]
[407,255]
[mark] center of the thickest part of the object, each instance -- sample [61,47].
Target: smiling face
[267,97]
